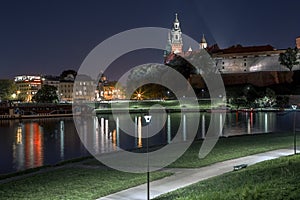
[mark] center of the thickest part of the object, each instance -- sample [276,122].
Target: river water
[32,143]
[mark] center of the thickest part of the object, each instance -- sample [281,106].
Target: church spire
[203,43]
[176,24]
[176,17]
[203,40]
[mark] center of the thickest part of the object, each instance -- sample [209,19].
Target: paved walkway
[185,177]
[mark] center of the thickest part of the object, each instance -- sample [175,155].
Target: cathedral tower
[176,37]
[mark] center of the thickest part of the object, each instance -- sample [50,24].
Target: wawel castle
[235,59]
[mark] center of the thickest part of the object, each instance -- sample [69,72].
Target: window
[176,37]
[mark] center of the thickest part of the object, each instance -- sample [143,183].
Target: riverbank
[27,111]
[89,179]
[46,115]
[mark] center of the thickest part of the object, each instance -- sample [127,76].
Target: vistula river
[32,143]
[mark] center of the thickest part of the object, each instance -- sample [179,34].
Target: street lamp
[148,120]
[139,95]
[294,107]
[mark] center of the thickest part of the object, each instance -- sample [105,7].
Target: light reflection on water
[33,143]
[28,149]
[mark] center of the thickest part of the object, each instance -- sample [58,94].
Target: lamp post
[294,107]
[148,120]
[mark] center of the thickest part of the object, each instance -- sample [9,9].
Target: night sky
[47,37]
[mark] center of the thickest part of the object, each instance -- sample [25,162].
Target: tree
[7,89]
[289,58]
[47,94]
[181,65]
[68,74]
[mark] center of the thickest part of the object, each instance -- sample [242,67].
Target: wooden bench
[238,167]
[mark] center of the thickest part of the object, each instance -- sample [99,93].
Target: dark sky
[46,37]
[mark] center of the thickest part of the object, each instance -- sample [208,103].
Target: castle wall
[241,63]
[260,79]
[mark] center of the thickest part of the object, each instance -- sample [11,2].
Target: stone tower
[176,37]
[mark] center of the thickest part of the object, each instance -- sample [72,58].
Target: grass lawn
[73,183]
[230,148]
[270,180]
[234,147]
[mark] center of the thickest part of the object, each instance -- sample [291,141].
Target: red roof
[241,49]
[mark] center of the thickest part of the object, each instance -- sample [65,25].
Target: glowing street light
[139,95]
[148,120]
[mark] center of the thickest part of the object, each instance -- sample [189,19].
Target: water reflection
[240,123]
[36,142]
[108,135]
[28,147]
[203,127]
[184,128]
[139,138]
[33,143]
[169,128]
[62,135]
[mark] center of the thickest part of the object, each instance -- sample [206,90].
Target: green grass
[229,148]
[73,183]
[270,180]
[234,147]
[44,167]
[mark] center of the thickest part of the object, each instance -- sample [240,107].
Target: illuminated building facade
[27,86]
[65,89]
[51,80]
[110,91]
[84,88]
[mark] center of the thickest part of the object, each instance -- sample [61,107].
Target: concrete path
[185,177]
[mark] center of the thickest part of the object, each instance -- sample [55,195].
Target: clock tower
[176,37]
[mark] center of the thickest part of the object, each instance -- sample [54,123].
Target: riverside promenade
[186,176]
